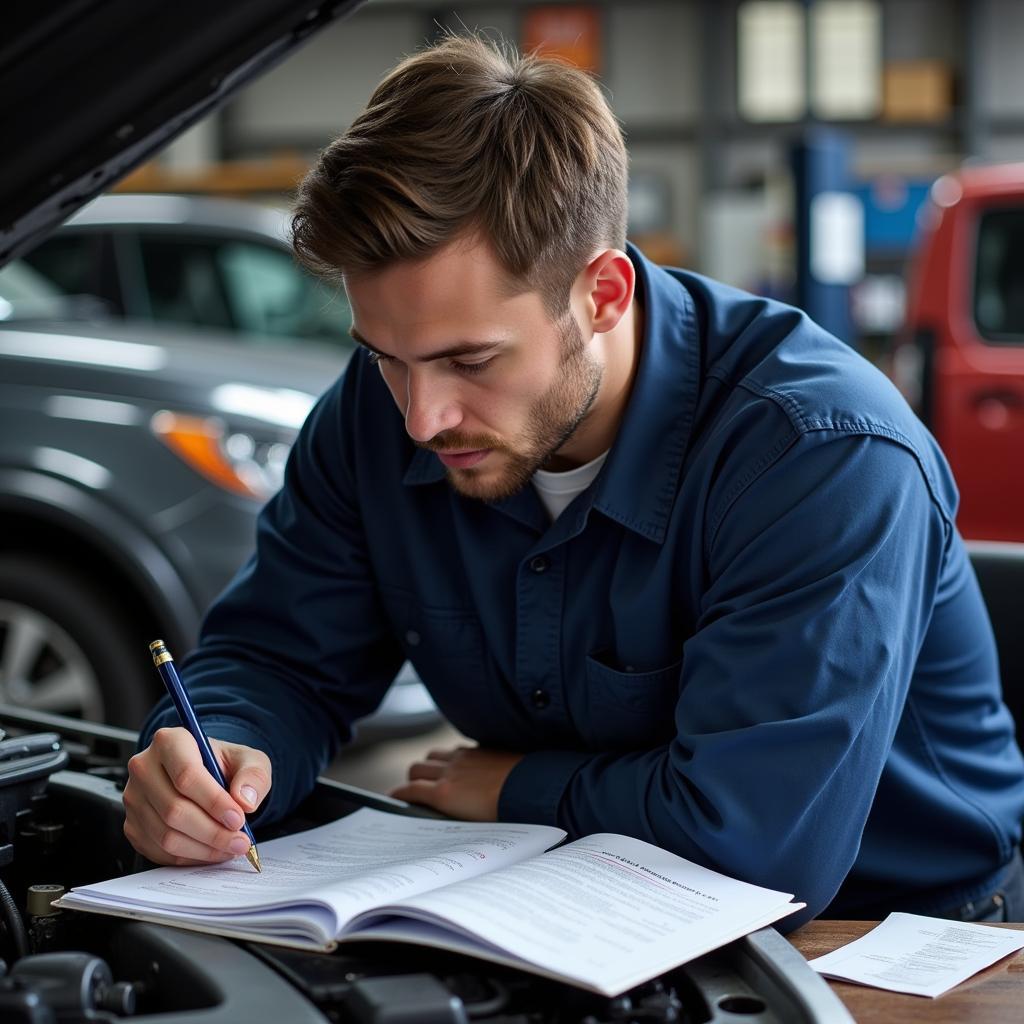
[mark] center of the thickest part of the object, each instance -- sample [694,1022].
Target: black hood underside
[92,88]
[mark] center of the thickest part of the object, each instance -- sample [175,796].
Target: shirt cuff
[533,790]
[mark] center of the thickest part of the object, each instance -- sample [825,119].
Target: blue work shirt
[755,640]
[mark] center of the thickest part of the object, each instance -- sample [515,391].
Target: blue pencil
[176,688]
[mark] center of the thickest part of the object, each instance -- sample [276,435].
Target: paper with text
[347,866]
[922,956]
[606,910]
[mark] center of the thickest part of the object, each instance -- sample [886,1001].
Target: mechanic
[682,564]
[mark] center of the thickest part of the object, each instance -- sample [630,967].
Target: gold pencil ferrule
[160,653]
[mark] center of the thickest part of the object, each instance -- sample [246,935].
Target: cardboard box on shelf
[917,90]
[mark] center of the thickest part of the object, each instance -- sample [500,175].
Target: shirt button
[539,564]
[412,638]
[540,698]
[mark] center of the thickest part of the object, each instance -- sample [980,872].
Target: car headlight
[235,460]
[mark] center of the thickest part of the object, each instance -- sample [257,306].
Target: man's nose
[430,408]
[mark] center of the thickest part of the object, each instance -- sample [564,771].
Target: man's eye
[376,358]
[472,367]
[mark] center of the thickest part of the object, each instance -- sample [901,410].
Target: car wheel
[64,645]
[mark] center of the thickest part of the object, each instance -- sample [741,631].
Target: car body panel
[970,387]
[95,525]
[85,419]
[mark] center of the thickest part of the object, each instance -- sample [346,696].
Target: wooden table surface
[993,996]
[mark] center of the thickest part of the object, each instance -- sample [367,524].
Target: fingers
[444,755]
[161,844]
[248,770]
[421,792]
[426,780]
[430,780]
[426,770]
[176,812]
[173,811]
[179,755]
[438,763]
[465,782]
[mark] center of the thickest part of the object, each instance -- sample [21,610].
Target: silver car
[193,261]
[134,459]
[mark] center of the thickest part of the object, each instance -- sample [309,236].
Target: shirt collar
[638,484]
[640,479]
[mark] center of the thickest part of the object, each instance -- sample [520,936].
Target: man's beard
[552,420]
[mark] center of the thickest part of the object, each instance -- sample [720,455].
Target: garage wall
[316,94]
[669,67]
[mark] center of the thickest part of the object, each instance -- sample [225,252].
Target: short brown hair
[467,136]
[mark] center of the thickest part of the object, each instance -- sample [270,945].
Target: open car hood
[92,88]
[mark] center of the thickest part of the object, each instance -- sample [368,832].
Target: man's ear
[607,284]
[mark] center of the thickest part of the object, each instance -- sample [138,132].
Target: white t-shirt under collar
[557,490]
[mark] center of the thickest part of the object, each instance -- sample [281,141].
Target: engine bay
[61,822]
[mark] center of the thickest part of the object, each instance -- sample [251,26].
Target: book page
[605,911]
[922,956]
[362,860]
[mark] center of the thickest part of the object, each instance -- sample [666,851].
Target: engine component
[44,920]
[74,985]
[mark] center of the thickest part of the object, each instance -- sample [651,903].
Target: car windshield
[23,291]
[219,265]
[238,284]
[25,294]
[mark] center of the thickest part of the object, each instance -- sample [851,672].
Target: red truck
[960,361]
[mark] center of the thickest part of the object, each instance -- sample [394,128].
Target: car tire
[65,647]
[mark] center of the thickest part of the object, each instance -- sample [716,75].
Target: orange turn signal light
[198,441]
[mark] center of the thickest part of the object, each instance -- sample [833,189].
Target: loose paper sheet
[923,956]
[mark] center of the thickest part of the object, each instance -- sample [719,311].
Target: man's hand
[176,811]
[462,783]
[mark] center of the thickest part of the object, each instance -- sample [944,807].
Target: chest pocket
[629,710]
[445,646]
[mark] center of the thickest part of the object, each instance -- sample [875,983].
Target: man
[681,563]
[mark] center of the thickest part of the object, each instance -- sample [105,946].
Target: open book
[604,913]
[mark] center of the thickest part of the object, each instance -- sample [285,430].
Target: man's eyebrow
[360,340]
[462,348]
